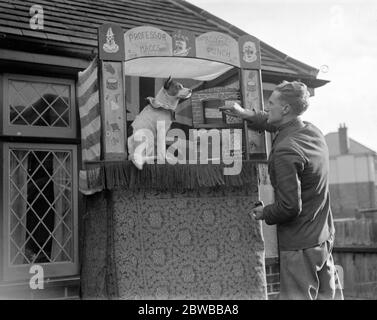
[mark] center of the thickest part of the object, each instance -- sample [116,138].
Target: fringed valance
[111,175]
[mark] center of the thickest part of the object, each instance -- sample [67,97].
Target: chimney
[344,143]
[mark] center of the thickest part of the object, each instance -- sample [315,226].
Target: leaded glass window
[40,197]
[37,106]
[40,201]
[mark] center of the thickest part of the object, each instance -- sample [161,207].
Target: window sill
[54,288]
[49,282]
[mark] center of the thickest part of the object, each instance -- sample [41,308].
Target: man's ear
[167,83]
[287,108]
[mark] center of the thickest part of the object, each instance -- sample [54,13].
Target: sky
[337,37]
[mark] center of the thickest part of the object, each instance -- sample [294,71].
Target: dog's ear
[168,83]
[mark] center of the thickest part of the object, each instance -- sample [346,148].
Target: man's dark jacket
[298,166]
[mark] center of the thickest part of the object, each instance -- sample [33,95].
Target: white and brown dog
[159,110]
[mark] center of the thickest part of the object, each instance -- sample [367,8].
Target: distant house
[353,171]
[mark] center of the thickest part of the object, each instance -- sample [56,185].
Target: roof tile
[77,22]
[10,30]
[32,33]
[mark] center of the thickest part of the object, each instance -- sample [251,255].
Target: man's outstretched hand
[233,109]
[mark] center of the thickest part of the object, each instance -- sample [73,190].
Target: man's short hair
[295,94]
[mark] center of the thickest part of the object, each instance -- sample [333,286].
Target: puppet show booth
[178,226]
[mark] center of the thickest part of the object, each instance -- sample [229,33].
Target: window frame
[51,269]
[37,131]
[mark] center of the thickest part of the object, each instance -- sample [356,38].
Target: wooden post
[252,93]
[112,92]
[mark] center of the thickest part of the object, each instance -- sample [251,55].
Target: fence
[355,250]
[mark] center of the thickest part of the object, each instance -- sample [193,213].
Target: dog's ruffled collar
[157,104]
[163,100]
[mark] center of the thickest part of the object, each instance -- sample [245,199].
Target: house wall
[352,184]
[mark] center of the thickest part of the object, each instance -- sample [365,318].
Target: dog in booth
[161,108]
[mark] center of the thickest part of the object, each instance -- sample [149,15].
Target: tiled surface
[76,22]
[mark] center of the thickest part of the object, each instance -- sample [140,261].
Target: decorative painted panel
[114,119]
[252,99]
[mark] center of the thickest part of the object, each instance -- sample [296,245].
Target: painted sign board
[249,51]
[219,47]
[184,44]
[147,41]
[110,42]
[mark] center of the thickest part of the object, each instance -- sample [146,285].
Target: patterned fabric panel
[177,246]
[93,248]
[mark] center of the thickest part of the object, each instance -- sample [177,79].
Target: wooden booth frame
[116,48]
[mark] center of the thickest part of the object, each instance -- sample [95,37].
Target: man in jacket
[298,166]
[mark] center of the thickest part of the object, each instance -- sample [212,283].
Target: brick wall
[197,98]
[273,278]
